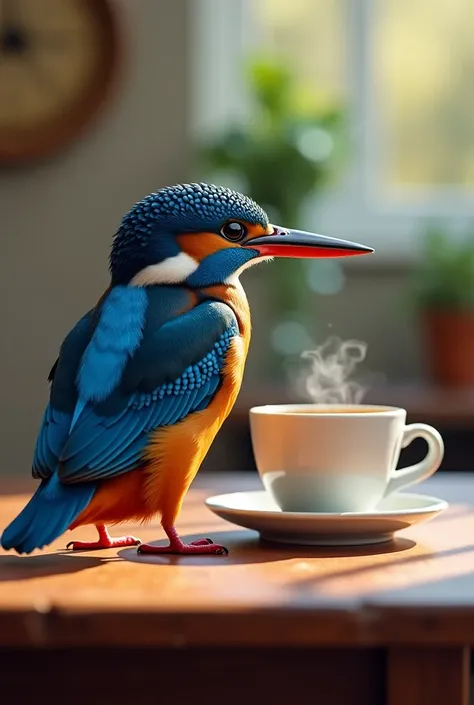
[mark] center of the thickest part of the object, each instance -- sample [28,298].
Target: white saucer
[257,511]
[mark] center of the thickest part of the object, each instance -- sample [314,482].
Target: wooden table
[386,624]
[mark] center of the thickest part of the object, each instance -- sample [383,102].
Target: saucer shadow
[14,567]
[246,547]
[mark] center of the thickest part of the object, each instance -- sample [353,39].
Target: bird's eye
[234,231]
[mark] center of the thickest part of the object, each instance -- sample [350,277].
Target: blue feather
[203,404]
[51,437]
[202,393]
[46,451]
[59,426]
[80,406]
[77,455]
[129,430]
[85,433]
[169,413]
[48,514]
[116,337]
[130,457]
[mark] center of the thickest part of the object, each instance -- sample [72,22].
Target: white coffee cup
[337,458]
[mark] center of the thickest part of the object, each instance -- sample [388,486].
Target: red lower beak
[297,243]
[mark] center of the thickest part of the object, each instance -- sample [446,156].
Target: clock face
[56,62]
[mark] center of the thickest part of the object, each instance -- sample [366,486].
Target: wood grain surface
[417,590]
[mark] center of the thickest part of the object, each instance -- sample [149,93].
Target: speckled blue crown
[195,206]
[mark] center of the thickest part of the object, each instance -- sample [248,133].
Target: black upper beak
[297,243]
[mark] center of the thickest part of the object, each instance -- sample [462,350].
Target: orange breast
[176,452]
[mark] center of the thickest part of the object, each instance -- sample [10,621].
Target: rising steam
[330,378]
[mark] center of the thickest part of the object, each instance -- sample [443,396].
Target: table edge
[366,625]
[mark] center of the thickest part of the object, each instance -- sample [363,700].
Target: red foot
[176,546]
[104,541]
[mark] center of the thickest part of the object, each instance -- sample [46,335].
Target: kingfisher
[144,380]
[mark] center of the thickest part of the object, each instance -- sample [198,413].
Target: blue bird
[145,379]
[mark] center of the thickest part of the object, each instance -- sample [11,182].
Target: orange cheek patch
[201,245]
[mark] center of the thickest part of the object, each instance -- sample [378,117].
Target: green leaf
[270,82]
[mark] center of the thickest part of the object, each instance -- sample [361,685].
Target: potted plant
[444,295]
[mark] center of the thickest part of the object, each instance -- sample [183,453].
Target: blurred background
[353,118]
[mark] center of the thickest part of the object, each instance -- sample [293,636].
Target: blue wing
[176,371]
[50,442]
[111,339]
[57,418]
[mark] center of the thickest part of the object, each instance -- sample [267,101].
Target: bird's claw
[222,551]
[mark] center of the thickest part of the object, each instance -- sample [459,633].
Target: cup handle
[426,467]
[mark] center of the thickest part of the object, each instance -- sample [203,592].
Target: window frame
[223,32]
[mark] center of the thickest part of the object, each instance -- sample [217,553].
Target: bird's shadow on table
[246,547]
[14,567]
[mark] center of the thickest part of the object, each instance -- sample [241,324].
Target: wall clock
[58,61]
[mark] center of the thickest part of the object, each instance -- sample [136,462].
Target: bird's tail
[47,515]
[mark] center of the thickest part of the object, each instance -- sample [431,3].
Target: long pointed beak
[297,243]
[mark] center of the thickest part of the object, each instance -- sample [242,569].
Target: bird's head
[203,235]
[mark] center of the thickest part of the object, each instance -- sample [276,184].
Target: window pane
[423,69]
[310,35]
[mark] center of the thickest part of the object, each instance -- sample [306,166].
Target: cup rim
[327,410]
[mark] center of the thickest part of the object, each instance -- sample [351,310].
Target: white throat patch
[172,270]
